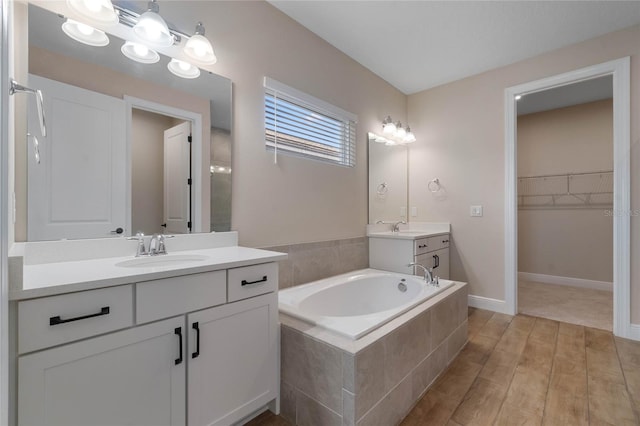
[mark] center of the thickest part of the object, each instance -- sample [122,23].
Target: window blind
[299,124]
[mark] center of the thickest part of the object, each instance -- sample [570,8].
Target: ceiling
[416,45]
[582,92]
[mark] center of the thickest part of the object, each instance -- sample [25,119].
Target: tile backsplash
[313,261]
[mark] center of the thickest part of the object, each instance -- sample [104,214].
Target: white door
[125,378]
[233,367]
[177,179]
[79,188]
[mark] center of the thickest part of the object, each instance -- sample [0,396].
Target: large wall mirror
[388,177]
[129,148]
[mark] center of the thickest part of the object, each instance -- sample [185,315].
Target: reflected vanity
[132,148]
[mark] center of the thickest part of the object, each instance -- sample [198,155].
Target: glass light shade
[139,53]
[409,137]
[389,128]
[96,10]
[152,29]
[400,132]
[183,69]
[84,33]
[380,139]
[199,49]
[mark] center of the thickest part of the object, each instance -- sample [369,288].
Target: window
[299,124]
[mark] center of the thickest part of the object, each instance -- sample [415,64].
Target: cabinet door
[430,260]
[131,377]
[233,366]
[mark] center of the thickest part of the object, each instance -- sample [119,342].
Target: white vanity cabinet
[394,252]
[197,349]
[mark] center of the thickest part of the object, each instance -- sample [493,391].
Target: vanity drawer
[60,319]
[422,246]
[438,242]
[167,297]
[252,281]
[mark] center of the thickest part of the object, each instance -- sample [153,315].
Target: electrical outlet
[414,212]
[476,211]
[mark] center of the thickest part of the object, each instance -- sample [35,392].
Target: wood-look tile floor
[525,370]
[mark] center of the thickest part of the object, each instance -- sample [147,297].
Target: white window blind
[299,124]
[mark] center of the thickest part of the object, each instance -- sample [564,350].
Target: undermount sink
[162,260]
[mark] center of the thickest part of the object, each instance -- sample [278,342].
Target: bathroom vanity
[424,243]
[186,339]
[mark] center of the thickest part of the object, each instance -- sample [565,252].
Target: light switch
[476,211]
[414,212]
[403,211]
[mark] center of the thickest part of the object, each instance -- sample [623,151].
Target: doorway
[565,199]
[620,72]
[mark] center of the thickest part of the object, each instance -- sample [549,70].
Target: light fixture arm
[130,19]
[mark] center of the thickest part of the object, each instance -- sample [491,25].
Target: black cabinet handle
[245,282]
[178,332]
[436,261]
[445,241]
[57,320]
[422,246]
[196,327]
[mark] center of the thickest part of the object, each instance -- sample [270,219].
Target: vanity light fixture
[199,48]
[395,134]
[183,69]
[151,28]
[100,11]
[139,53]
[84,33]
[518,97]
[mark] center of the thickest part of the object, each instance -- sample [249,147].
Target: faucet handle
[141,250]
[162,249]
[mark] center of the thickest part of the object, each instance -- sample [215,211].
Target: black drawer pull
[57,320]
[178,331]
[245,282]
[422,246]
[445,241]
[196,327]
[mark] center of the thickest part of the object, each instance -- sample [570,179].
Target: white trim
[196,154]
[487,304]
[566,281]
[290,92]
[4,213]
[634,331]
[620,69]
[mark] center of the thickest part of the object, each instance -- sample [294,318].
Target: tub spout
[428,274]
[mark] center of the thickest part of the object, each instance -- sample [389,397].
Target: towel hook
[434,185]
[15,87]
[382,189]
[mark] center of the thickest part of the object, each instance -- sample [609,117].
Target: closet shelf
[562,191]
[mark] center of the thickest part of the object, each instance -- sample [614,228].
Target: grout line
[626,383]
[551,370]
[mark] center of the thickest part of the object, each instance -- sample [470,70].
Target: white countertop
[47,279]
[410,231]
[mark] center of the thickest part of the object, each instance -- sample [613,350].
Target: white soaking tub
[355,303]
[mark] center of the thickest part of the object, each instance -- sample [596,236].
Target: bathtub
[356,303]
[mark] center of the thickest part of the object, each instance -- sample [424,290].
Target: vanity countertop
[48,279]
[410,231]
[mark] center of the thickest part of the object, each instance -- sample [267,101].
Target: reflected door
[86,134]
[177,179]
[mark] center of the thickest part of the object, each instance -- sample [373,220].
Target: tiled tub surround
[309,262]
[327,379]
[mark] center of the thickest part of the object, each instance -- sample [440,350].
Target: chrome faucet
[428,274]
[154,245]
[396,226]
[141,250]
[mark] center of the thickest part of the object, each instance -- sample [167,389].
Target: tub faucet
[396,226]
[428,274]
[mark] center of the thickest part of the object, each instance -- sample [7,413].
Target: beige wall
[297,200]
[147,170]
[461,128]
[566,242]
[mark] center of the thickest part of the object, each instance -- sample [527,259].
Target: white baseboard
[634,332]
[568,281]
[487,304]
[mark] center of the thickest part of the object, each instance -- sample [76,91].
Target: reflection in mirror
[387,181]
[112,163]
